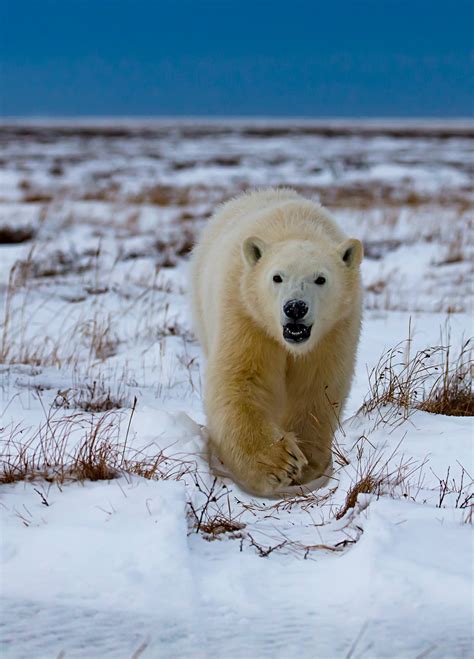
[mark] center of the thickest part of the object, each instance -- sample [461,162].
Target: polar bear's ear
[252,250]
[351,252]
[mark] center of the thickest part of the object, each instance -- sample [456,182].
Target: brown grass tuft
[98,456]
[177,245]
[456,401]
[163,195]
[455,252]
[92,397]
[368,484]
[79,447]
[452,394]
[378,193]
[54,264]
[431,381]
[10,235]
[45,453]
[100,337]
[37,197]
[378,473]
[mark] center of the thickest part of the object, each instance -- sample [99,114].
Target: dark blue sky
[391,58]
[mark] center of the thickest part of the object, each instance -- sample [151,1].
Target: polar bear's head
[297,290]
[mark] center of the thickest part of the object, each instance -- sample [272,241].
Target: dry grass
[5,346]
[95,396]
[452,392]
[38,197]
[368,484]
[90,446]
[378,249]
[397,381]
[96,334]
[10,235]
[177,245]
[432,380]
[379,194]
[455,251]
[461,490]
[81,447]
[15,347]
[86,333]
[160,466]
[55,264]
[379,474]
[217,161]
[215,516]
[165,253]
[377,287]
[107,192]
[100,337]
[163,195]
[68,448]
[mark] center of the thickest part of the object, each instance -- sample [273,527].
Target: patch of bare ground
[185,197]
[38,198]
[17,134]
[375,194]
[11,235]
[108,192]
[163,195]
[217,161]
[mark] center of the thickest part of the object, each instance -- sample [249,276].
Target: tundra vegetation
[101,385]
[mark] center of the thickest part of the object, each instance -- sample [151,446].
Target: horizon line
[235,118]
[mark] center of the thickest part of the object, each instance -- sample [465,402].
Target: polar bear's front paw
[278,465]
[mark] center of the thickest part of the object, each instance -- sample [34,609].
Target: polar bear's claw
[278,465]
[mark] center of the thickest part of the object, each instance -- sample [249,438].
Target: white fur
[273,406]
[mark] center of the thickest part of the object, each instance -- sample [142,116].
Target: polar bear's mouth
[296,333]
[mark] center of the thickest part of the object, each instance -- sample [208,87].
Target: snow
[110,566]
[124,567]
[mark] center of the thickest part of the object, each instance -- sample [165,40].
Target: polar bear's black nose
[295,309]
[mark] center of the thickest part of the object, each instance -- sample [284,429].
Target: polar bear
[276,298]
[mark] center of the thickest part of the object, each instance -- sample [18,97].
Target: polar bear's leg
[317,388]
[245,400]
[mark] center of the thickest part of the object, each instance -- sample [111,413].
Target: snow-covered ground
[96,221]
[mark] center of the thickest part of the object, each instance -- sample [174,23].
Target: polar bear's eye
[277,279]
[320,280]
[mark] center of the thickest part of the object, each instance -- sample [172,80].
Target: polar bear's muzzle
[296,332]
